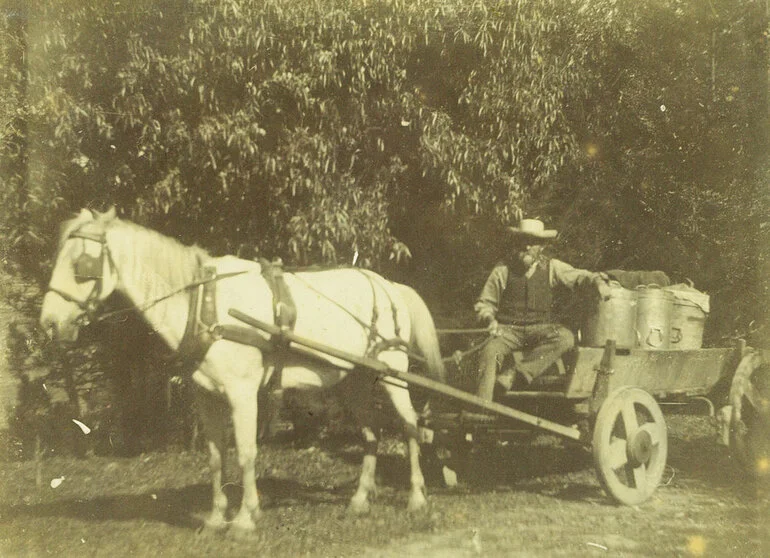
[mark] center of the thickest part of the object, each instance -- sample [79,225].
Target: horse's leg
[241,387]
[357,392]
[237,371]
[399,395]
[359,504]
[243,400]
[213,412]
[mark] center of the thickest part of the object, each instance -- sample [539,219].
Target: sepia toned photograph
[385,278]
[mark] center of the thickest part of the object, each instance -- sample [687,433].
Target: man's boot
[505,381]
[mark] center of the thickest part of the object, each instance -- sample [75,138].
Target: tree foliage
[300,126]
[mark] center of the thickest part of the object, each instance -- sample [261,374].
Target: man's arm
[564,274]
[489,299]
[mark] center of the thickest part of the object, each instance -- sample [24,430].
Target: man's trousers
[541,344]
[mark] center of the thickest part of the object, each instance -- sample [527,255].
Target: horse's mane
[146,251]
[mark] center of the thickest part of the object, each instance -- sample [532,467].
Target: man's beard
[526,259]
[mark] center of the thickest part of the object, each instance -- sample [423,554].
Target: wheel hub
[639,448]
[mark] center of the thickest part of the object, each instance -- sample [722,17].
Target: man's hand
[493,328]
[602,285]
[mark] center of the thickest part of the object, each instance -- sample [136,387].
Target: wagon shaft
[298,343]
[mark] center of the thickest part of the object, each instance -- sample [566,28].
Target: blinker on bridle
[91,268]
[87,268]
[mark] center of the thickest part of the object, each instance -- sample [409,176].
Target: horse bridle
[91,268]
[88,268]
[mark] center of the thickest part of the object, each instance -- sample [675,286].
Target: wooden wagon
[607,398]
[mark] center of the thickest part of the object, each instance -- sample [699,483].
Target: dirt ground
[538,497]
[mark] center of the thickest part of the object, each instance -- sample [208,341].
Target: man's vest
[527,300]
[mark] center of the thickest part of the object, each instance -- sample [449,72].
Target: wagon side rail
[662,373]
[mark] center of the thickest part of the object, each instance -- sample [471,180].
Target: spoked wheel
[750,421]
[630,445]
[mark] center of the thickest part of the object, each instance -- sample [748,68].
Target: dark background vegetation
[409,132]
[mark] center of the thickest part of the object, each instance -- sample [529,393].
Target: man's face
[527,251]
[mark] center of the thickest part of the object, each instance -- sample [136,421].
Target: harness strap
[202,317]
[203,329]
[361,322]
[88,268]
[376,339]
[188,287]
[373,332]
[377,346]
[284,315]
[284,309]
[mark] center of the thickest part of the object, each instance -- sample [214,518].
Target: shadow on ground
[184,507]
[327,473]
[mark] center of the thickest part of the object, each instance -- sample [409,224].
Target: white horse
[341,308]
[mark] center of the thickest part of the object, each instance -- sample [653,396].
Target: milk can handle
[660,337]
[649,286]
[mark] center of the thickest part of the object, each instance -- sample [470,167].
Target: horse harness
[202,327]
[91,268]
[376,341]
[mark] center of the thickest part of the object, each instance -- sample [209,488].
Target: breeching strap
[371,328]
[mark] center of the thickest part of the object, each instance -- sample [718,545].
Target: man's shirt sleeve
[565,275]
[489,300]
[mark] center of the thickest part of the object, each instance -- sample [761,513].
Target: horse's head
[83,276]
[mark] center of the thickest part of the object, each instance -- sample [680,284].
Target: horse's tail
[423,333]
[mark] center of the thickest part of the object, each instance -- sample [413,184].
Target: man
[515,303]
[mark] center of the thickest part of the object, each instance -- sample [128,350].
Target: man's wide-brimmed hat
[532,229]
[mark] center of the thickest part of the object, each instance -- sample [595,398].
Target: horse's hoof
[214,524]
[359,507]
[417,503]
[244,523]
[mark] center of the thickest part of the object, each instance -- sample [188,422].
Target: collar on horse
[202,324]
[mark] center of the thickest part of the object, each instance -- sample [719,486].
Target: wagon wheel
[750,420]
[630,445]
